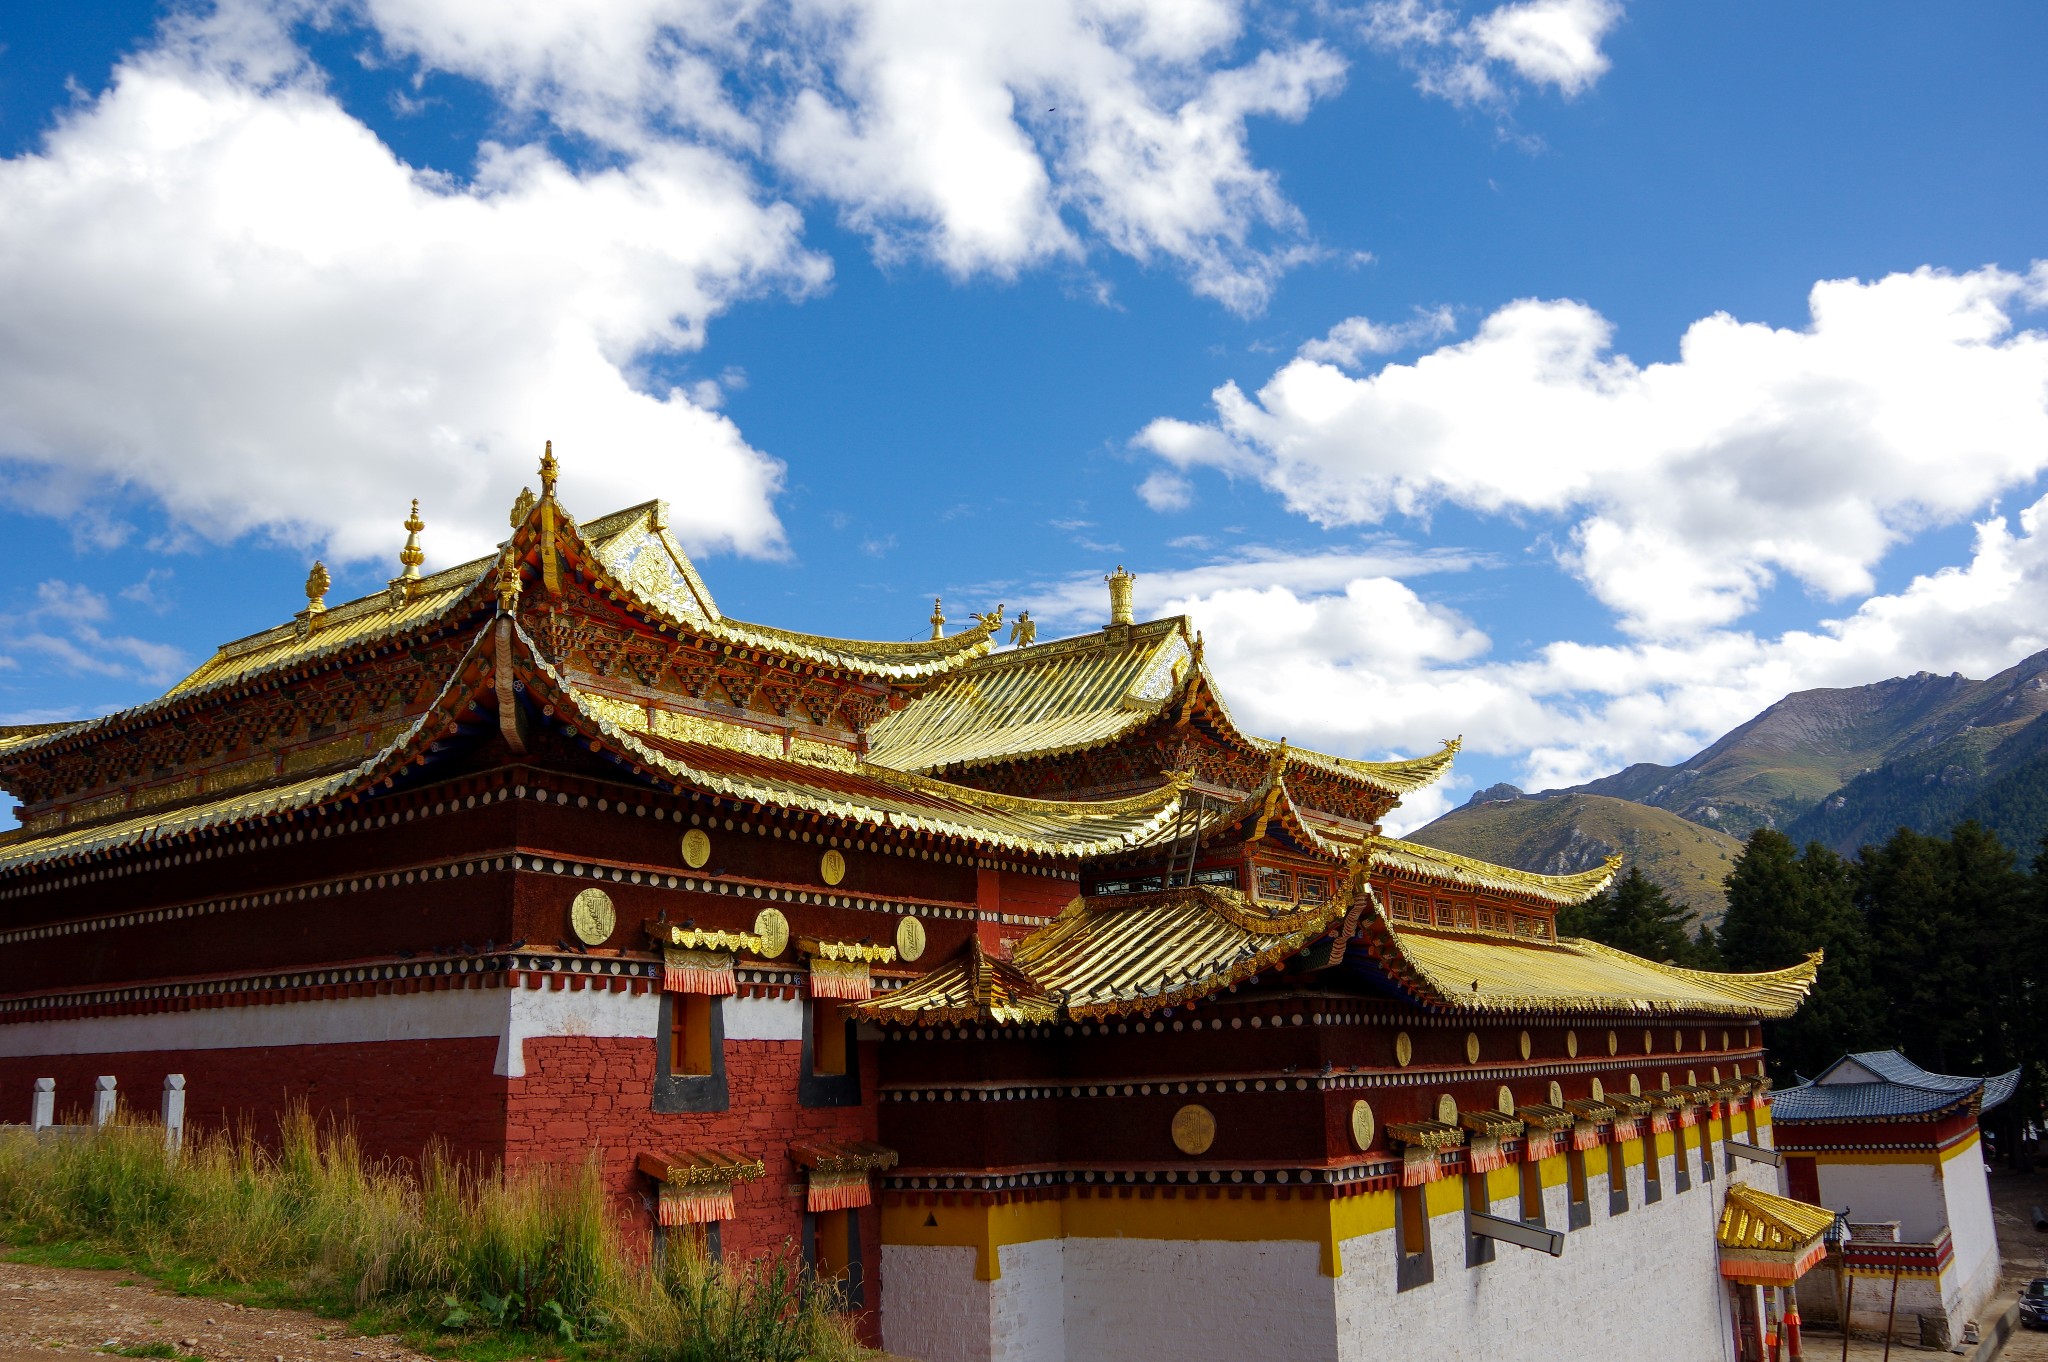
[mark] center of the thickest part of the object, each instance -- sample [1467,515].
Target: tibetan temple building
[1018,988]
[1896,1149]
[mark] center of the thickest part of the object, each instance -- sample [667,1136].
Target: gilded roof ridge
[1802,973]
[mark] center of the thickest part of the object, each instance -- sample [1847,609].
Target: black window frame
[1412,1270]
[828,1090]
[852,1287]
[676,1093]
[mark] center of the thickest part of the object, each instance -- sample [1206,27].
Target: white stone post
[42,1109]
[103,1100]
[174,1112]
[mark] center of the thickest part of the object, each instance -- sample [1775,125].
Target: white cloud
[63,627]
[985,138]
[226,293]
[1907,402]
[1368,667]
[1352,339]
[1545,42]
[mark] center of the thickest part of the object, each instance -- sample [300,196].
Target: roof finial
[1120,595]
[522,506]
[412,555]
[317,582]
[938,618]
[548,470]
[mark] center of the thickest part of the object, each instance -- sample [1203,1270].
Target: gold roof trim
[1543,1116]
[972,986]
[1403,775]
[704,939]
[1628,1104]
[1434,1136]
[702,1167]
[848,951]
[1590,1109]
[842,1156]
[1769,1240]
[1413,859]
[1495,1125]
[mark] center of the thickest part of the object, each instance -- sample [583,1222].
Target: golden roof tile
[1470,974]
[1767,1239]
[1412,860]
[1430,1135]
[972,986]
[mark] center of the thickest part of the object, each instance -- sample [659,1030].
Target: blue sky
[1574,376]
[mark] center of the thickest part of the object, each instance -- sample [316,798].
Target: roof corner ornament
[406,584]
[550,563]
[1023,633]
[1120,583]
[938,619]
[522,506]
[990,622]
[509,582]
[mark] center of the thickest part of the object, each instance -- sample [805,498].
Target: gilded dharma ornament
[1613,1043]
[1404,1049]
[1556,1093]
[696,848]
[1599,1091]
[591,917]
[1525,1045]
[773,929]
[832,867]
[1635,1086]
[1362,1127]
[1447,1109]
[1571,1044]
[909,938]
[1471,1047]
[1194,1129]
[1505,1100]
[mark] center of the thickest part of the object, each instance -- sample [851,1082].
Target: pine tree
[1634,915]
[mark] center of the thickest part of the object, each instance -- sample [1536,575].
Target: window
[690,1048]
[829,1074]
[1275,884]
[1478,1248]
[828,1048]
[832,1248]
[1653,1170]
[1681,1161]
[1411,1239]
[1617,1177]
[689,1052]
[1578,1203]
[1707,1124]
[1314,889]
[1532,1192]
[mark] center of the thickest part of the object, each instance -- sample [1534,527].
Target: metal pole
[1848,1304]
[1890,1315]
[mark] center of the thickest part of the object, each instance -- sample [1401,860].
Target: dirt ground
[48,1313]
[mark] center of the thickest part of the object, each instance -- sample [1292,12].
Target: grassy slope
[1575,832]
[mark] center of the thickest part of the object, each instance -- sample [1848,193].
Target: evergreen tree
[1634,915]
[1783,905]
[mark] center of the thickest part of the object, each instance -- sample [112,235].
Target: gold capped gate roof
[1752,1219]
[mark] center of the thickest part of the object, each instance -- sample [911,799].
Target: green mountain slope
[1909,750]
[1558,834]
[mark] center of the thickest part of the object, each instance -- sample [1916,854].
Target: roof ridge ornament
[549,471]
[406,584]
[1120,584]
[509,582]
[938,620]
[522,506]
[317,582]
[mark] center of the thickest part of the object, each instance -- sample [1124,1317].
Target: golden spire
[938,618]
[548,471]
[1120,583]
[317,582]
[412,555]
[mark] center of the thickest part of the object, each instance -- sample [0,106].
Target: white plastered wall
[513,1015]
[1973,1232]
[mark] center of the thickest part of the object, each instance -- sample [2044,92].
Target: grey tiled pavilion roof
[1883,1085]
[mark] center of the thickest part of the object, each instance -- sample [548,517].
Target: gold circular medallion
[1664,1081]
[696,848]
[1571,1044]
[1703,1040]
[1556,1093]
[1471,1047]
[1526,1047]
[1404,1049]
[909,938]
[1724,1040]
[1635,1086]
[1362,1127]
[832,867]
[773,929]
[1649,1043]
[1505,1100]
[591,917]
[1678,1042]
[1691,1080]
[1599,1091]
[1716,1071]
[1447,1109]
[1613,1043]
[1194,1129]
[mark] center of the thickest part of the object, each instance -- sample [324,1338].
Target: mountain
[1913,750]
[1560,833]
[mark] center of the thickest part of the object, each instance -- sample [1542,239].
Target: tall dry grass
[309,1220]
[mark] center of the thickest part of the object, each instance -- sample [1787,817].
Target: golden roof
[1080,693]
[1472,974]
[1414,861]
[1115,954]
[861,793]
[1769,1239]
